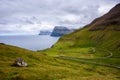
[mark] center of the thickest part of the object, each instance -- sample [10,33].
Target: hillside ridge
[110,18]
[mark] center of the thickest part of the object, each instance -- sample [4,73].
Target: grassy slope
[103,32]
[83,39]
[42,67]
[77,45]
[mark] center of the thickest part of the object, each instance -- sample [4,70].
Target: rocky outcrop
[20,62]
[60,31]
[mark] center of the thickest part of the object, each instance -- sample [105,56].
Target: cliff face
[60,31]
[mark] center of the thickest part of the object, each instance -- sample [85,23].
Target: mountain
[45,32]
[111,18]
[102,32]
[96,43]
[60,31]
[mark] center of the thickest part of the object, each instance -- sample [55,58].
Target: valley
[90,53]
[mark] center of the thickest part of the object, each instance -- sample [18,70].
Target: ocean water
[31,42]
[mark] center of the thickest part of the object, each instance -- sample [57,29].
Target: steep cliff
[60,31]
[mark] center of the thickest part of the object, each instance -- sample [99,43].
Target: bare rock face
[20,62]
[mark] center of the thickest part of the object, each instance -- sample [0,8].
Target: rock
[20,62]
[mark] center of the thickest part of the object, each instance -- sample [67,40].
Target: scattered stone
[20,62]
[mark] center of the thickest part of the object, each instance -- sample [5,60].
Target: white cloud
[30,16]
[70,18]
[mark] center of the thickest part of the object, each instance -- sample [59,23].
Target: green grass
[43,67]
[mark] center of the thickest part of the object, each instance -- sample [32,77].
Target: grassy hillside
[97,43]
[90,53]
[43,67]
[102,35]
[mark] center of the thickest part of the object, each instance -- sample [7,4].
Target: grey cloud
[51,12]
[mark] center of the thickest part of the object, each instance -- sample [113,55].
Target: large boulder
[20,62]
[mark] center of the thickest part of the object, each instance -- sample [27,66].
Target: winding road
[84,60]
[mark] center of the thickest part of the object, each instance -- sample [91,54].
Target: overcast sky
[31,16]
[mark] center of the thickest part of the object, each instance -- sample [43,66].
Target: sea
[31,42]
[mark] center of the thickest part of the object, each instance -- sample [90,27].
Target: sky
[21,17]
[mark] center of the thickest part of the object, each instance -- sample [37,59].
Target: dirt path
[88,62]
[84,60]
